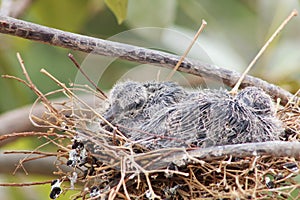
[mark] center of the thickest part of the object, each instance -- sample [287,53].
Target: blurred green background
[236,30]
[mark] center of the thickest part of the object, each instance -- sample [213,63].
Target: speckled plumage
[132,103]
[163,115]
[213,117]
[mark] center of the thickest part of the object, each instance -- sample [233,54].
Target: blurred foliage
[236,30]
[119,8]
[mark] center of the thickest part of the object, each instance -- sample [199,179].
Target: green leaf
[119,8]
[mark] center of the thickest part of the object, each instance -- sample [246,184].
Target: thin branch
[62,85]
[44,166]
[25,184]
[204,23]
[16,78]
[30,84]
[22,161]
[17,121]
[166,156]
[85,75]
[30,152]
[282,25]
[87,44]
[31,133]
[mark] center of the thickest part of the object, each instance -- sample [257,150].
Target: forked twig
[20,164]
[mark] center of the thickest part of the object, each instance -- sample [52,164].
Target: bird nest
[109,170]
[103,163]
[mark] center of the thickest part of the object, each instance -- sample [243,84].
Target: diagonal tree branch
[87,44]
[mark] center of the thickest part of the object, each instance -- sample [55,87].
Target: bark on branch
[163,157]
[87,44]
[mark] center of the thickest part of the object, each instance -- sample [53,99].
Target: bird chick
[126,99]
[162,95]
[245,118]
[132,103]
[213,117]
[257,100]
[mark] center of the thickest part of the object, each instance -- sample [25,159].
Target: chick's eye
[139,103]
[131,113]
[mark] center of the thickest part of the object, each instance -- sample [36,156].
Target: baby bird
[248,117]
[132,103]
[126,100]
[210,118]
[257,100]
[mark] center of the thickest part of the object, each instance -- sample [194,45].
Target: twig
[294,99]
[31,133]
[81,101]
[25,184]
[43,154]
[275,148]
[17,121]
[30,84]
[282,25]
[41,166]
[87,44]
[204,23]
[121,182]
[20,165]
[84,74]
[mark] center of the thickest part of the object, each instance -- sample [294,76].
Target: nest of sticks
[100,166]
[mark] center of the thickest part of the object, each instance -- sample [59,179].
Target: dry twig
[204,23]
[282,25]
